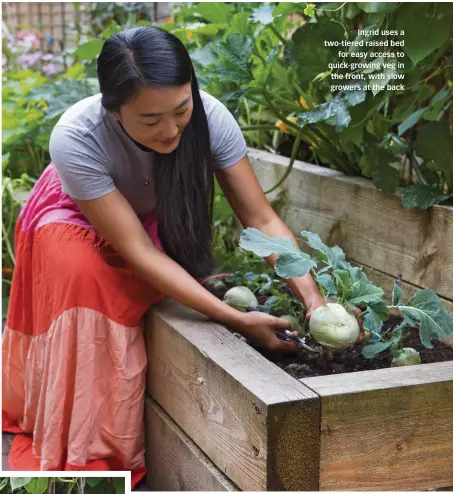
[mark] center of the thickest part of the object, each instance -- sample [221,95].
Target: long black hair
[184,181]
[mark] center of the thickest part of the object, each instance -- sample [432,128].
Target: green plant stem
[274,30]
[258,127]
[294,152]
[8,245]
[331,10]
[8,282]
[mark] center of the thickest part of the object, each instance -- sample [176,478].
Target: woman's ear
[114,115]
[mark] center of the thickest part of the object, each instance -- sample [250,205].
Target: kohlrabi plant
[334,327]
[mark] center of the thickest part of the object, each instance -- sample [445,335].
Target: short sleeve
[227,141]
[81,164]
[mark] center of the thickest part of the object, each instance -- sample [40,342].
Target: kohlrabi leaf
[397,294]
[263,245]
[326,282]
[371,350]
[381,309]
[293,264]
[333,256]
[434,321]
[362,291]
[372,321]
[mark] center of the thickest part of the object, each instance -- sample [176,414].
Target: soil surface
[307,364]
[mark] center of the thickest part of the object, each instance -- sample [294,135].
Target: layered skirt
[74,358]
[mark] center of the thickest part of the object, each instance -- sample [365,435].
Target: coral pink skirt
[74,358]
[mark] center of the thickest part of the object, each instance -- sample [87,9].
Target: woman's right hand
[260,329]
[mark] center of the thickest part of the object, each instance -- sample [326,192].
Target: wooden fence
[57,20]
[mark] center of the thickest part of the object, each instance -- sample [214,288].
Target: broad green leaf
[311,62]
[18,482]
[370,351]
[355,97]
[237,49]
[37,485]
[377,7]
[272,301]
[204,55]
[334,256]
[3,484]
[288,8]
[263,245]
[397,294]
[263,14]
[89,50]
[293,264]
[410,121]
[435,145]
[422,196]
[381,309]
[76,71]
[427,25]
[364,293]
[337,109]
[425,308]
[326,282]
[216,12]
[372,321]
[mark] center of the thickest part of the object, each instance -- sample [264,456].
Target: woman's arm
[113,217]
[246,197]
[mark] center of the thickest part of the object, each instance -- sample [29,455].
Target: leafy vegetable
[331,325]
[241,298]
[407,356]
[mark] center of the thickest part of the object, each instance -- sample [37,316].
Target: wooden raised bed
[234,419]
[373,228]
[220,416]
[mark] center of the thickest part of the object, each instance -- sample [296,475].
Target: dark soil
[307,364]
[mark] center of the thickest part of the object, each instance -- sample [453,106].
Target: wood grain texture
[372,228]
[388,429]
[256,423]
[174,462]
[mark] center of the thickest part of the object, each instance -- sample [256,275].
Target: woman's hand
[260,329]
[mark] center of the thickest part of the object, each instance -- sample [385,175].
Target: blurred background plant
[268,63]
[62,485]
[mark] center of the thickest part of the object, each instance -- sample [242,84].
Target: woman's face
[156,117]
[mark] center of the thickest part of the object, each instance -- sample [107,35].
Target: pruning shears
[296,339]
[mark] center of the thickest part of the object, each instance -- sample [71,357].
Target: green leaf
[435,145]
[370,351]
[310,10]
[333,256]
[311,62]
[288,8]
[381,309]
[237,49]
[93,481]
[397,294]
[372,321]
[120,485]
[337,108]
[422,196]
[293,264]
[326,282]
[204,55]
[427,26]
[262,245]
[263,14]
[18,482]
[384,175]
[216,12]
[434,321]
[37,485]
[363,291]
[377,7]
[89,50]
[410,121]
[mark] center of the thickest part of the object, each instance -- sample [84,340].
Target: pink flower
[48,57]
[50,69]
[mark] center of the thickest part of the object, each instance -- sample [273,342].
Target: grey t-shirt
[94,156]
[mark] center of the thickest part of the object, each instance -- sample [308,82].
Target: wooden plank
[386,282]
[388,429]
[174,462]
[256,423]
[372,228]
